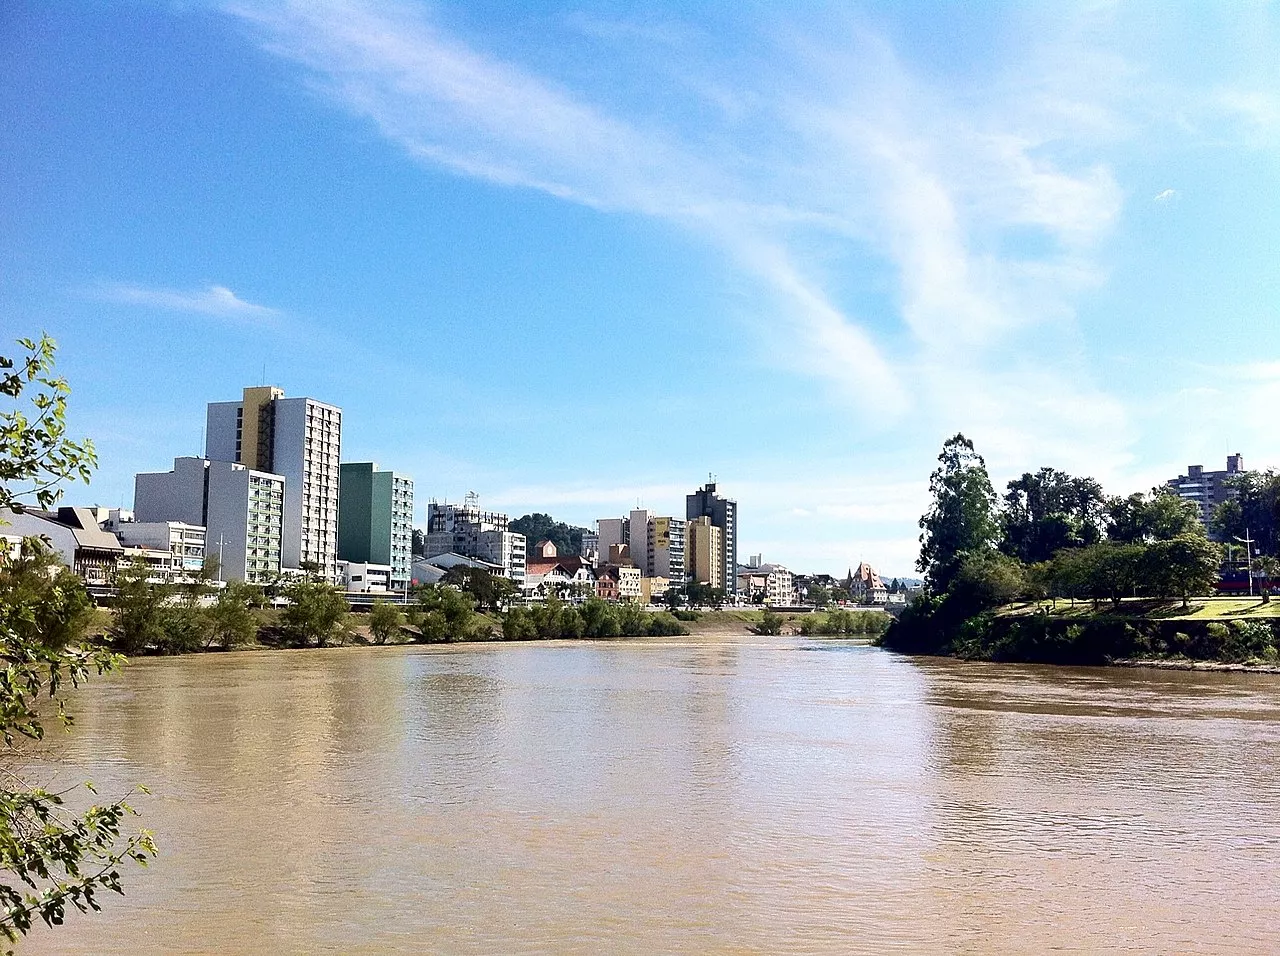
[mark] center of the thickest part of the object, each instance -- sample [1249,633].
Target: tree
[1113,570]
[770,624]
[231,618]
[316,612]
[820,595]
[138,609]
[384,621]
[1182,566]
[986,580]
[1050,510]
[36,455]
[1266,566]
[57,607]
[443,613]
[1160,515]
[52,858]
[962,518]
[1255,509]
[492,591]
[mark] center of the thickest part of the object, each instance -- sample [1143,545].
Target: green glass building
[375,519]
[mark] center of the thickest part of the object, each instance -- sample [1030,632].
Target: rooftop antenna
[264,373]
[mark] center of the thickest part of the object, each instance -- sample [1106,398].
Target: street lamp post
[1248,558]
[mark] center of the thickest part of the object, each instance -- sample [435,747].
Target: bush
[317,612]
[1247,640]
[770,624]
[384,621]
[231,618]
[596,618]
[840,622]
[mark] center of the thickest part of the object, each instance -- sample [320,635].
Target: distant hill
[540,527]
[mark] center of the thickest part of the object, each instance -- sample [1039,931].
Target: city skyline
[814,243]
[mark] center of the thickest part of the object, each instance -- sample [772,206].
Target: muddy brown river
[711,794]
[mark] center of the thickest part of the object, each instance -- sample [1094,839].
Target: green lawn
[1201,609]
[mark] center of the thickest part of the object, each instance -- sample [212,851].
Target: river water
[728,794]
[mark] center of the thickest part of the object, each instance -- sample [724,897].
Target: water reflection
[731,794]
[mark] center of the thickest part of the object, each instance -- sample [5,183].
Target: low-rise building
[630,584]
[431,570]
[184,543]
[74,534]
[360,577]
[769,584]
[653,589]
[567,577]
[867,588]
[607,584]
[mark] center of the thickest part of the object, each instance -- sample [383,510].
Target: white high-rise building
[466,530]
[301,440]
[657,545]
[241,510]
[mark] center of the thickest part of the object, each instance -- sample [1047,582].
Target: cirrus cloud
[213,300]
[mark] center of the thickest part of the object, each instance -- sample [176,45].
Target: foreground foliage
[52,857]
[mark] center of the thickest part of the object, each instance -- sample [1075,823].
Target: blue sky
[575,257]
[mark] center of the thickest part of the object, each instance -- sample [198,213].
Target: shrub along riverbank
[1137,630]
[150,618]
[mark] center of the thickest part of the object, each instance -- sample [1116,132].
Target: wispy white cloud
[1165,195]
[985,208]
[450,105]
[214,300]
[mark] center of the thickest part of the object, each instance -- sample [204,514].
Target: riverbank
[1210,667]
[1213,631]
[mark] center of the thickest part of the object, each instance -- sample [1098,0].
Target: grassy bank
[1212,630]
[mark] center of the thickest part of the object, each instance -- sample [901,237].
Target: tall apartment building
[589,550]
[610,533]
[467,530]
[723,512]
[657,545]
[704,550]
[240,508]
[299,439]
[1207,489]
[375,519]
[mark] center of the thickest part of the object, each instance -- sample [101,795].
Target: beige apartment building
[704,548]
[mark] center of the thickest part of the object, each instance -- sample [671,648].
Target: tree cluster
[594,618]
[491,592]
[1052,536]
[842,622]
[541,527]
[695,594]
[150,616]
[1255,511]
